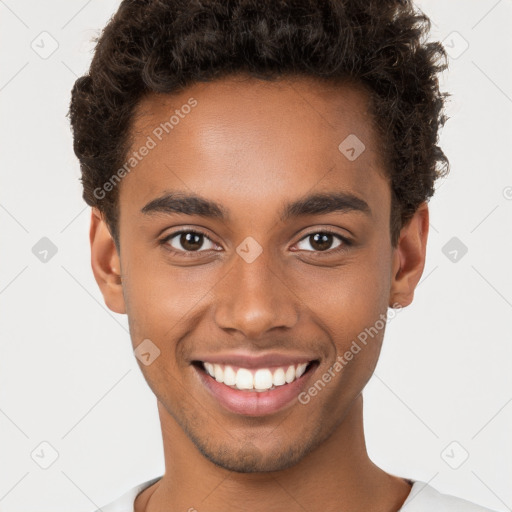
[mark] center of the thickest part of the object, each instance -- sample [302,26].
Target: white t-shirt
[422,498]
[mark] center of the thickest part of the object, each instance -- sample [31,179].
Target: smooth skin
[253,146]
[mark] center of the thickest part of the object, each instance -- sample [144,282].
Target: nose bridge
[252,298]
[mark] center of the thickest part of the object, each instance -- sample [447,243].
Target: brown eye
[322,241]
[188,241]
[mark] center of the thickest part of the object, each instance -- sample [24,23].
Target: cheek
[162,303]
[363,320]
[351,306]
[349,298]
[156,290]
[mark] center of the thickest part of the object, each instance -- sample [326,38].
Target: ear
[105,262]
[409,258]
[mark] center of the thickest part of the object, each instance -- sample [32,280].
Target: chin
[249,459]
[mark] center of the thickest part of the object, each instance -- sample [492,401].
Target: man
[259,174]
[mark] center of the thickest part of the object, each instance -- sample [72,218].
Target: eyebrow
[315,204]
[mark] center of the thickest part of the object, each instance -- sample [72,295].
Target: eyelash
[342,247]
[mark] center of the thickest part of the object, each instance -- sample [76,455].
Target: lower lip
[255,403]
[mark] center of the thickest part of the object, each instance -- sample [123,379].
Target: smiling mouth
[255,379]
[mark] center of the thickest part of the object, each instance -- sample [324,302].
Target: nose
[254,298]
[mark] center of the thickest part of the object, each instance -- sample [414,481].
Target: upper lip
[245,360]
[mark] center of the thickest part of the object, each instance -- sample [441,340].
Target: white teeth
[209,369]
[218,373]
[263,379]
[278,378]
[290,374]
[300,370]
[229,376]
[244,379]
[257,380]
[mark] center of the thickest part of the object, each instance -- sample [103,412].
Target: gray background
[442,390]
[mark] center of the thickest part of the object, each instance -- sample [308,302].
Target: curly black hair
[162,46]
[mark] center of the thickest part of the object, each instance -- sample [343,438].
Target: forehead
[259,108]
[244,138]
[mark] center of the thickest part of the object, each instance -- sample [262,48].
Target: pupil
[189,239]
[192,241]
[322,240]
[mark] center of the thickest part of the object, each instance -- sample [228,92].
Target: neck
[336,476]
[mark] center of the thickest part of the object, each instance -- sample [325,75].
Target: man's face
[256,281]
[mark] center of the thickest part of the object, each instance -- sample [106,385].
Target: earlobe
[409,258]
[105,263]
